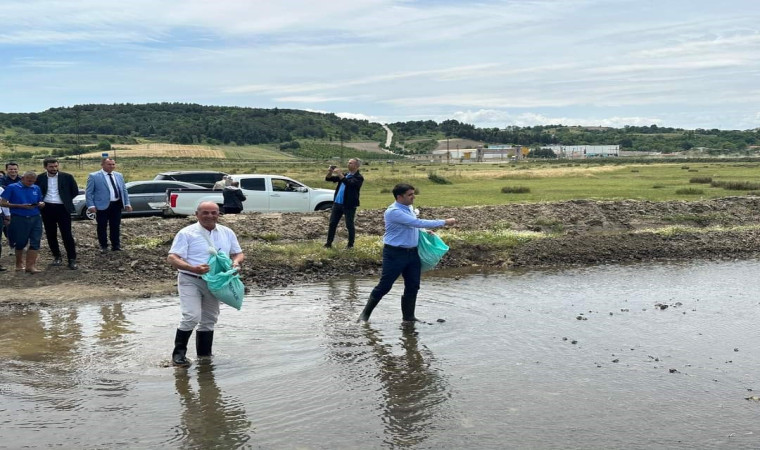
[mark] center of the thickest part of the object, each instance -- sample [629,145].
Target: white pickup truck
[263,193]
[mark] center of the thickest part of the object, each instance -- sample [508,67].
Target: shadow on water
[209,418]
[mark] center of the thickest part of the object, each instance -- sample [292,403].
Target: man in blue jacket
[106,195]
[346,199]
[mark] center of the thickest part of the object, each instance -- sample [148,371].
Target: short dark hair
[401,188]
[47,161]
[11,163]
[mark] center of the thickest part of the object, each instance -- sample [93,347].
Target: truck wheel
[324,206]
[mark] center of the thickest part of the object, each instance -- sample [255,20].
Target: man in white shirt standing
[58,191]
[189,254]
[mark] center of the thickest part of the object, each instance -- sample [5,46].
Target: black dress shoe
[73,264]
[103,249]
[57,262]
[2,269]
[115,249]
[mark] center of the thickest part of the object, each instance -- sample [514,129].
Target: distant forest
[68,129]
[651,138]
[184,123]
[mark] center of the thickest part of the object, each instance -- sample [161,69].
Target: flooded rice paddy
[645,356]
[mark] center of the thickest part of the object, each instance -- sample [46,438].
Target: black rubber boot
[180,348]
[407,309]
[203,342]
[368,308]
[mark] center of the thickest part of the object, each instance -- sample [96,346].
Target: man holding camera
[346,199]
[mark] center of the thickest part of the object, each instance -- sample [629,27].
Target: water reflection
[413,390]
[114,324]
[209,418]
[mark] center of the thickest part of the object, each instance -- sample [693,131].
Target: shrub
[689,191]
[437,179]
[693,170]
[703,180]
[658,186]
[685,167]
[515,190]
[635,170]
[736,185]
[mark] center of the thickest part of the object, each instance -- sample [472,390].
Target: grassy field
[478,184]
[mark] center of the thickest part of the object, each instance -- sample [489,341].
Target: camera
[333,167]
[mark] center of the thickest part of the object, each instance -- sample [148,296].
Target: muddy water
[577,358]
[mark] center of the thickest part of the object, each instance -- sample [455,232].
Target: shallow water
[511,366]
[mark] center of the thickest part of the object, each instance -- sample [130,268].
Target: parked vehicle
[202,178]
[141,195]
[263,193]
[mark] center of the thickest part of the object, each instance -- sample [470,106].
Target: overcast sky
[681,63]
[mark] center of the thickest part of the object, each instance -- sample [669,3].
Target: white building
[584,151]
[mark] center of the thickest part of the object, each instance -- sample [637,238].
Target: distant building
[584,151]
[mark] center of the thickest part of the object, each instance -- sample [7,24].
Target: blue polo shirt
[20,194]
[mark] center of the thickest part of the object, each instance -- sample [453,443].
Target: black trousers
[109,225]
[337,212]
[55,217]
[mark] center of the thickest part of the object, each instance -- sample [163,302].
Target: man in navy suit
[58,190]
[106,195]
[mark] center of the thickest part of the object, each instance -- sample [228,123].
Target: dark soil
[583,232]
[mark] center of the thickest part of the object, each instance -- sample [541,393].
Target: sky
[492,63]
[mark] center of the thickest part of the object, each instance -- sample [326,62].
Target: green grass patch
[701,180]
[690,191]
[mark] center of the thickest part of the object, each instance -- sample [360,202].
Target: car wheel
[87,214]
[324,206]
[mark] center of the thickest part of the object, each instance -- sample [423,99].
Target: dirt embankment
[583,232]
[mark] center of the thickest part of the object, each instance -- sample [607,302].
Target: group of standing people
[30,202]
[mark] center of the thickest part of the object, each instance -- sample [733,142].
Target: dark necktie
[113,183]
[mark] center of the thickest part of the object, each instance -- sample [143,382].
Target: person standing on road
[189,254]
[106,195]
[58,190]
[233,198]
[346,199]
[400,255]
[24,201]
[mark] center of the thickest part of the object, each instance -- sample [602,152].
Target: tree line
[185,123]
[633,138]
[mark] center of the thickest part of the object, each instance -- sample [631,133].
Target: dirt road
[581,232]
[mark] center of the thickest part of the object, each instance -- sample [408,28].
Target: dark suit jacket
[67,188]
[233,197]
[353,186]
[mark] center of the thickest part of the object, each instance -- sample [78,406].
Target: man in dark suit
[346,199]
[106,195]
[58,191]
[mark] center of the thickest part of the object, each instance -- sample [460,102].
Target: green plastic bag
[223,281]
[431,249]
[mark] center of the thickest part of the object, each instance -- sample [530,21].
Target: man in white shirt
[58,190]
[189,254]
